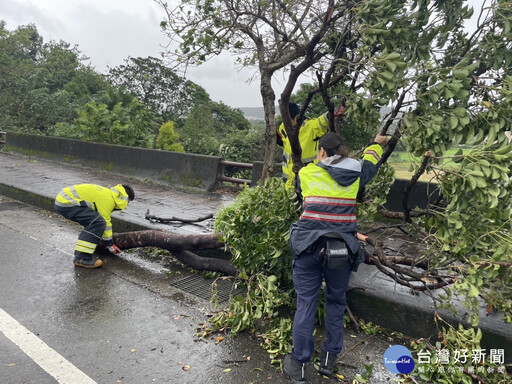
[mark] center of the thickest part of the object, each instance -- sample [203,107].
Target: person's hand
[114,249]
[340,111]
[361,237]
[381,139]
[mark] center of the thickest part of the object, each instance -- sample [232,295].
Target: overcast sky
[108,31]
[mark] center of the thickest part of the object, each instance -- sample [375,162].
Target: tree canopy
[442,69]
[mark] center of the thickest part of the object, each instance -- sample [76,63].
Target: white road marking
[47,358]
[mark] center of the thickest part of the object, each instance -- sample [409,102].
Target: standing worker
[324,245]
[91,206]
[309,134]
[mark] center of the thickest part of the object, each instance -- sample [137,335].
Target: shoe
[327,361]
[88,263]
[294,369]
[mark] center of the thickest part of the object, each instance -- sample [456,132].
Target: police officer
[329,190]
[309,134]
[91,206]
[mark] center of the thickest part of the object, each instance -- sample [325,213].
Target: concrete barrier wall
[166,167]
[418,197]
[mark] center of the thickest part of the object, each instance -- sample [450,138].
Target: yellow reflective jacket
[102,200]
[329,191]
[309,134]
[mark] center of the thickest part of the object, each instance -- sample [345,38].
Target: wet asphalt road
[124,322]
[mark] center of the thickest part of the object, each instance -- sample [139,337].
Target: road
[122,323]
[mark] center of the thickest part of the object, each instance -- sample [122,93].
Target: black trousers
[94,226]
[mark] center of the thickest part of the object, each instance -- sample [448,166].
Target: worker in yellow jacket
[91,206]
[309,133]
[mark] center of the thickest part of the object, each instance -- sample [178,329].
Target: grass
[401,162]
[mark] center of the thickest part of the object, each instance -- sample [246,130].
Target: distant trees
[168,139]
[46,88]
[159,87]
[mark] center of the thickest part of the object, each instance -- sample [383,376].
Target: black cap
[129,191]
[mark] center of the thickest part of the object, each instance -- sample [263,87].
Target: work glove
[114,249]
[340,111]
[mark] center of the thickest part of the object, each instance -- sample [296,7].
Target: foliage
[218,130]
[375,194]
[261,301]
[456,349]
[168,139]
[167,94]
[355,134]
[42,84]
[129,125]
[277,339]
[259,220]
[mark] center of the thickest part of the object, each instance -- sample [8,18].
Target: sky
[109,31]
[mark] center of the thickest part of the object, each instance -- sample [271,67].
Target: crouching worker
[324,246]
[91,206]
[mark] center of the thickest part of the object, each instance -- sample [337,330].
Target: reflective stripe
[85,246]
[66,197]
[309,159]
[329,201]
[118,193]
[372,153]
[71,197]
[322,216]
[61,204]
[74,193]
[71,202]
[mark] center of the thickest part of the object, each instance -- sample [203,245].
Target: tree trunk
[166,240]
[269,99]
[179,246]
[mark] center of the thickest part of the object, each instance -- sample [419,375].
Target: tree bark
[166,240]
[179,246]
[199,263]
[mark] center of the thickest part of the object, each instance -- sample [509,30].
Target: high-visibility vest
[309,134]
[101,199]
[329,207]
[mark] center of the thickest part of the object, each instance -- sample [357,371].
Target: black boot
[294,369]
[327,361]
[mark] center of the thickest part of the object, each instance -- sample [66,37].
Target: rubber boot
[327,361]
[294,369]
[88,263]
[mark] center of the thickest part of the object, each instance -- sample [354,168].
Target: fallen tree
[181,247]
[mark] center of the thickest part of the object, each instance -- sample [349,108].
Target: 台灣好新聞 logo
[398,359]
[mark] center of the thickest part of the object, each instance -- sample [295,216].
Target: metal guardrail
[235,180]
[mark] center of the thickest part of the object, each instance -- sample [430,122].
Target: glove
[361,237]
[340,111]
[114,249]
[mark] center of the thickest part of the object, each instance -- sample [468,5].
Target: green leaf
[391,65]
[473,291]
[453,122]
[460,73]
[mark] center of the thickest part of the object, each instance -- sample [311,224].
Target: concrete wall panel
[166,167]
